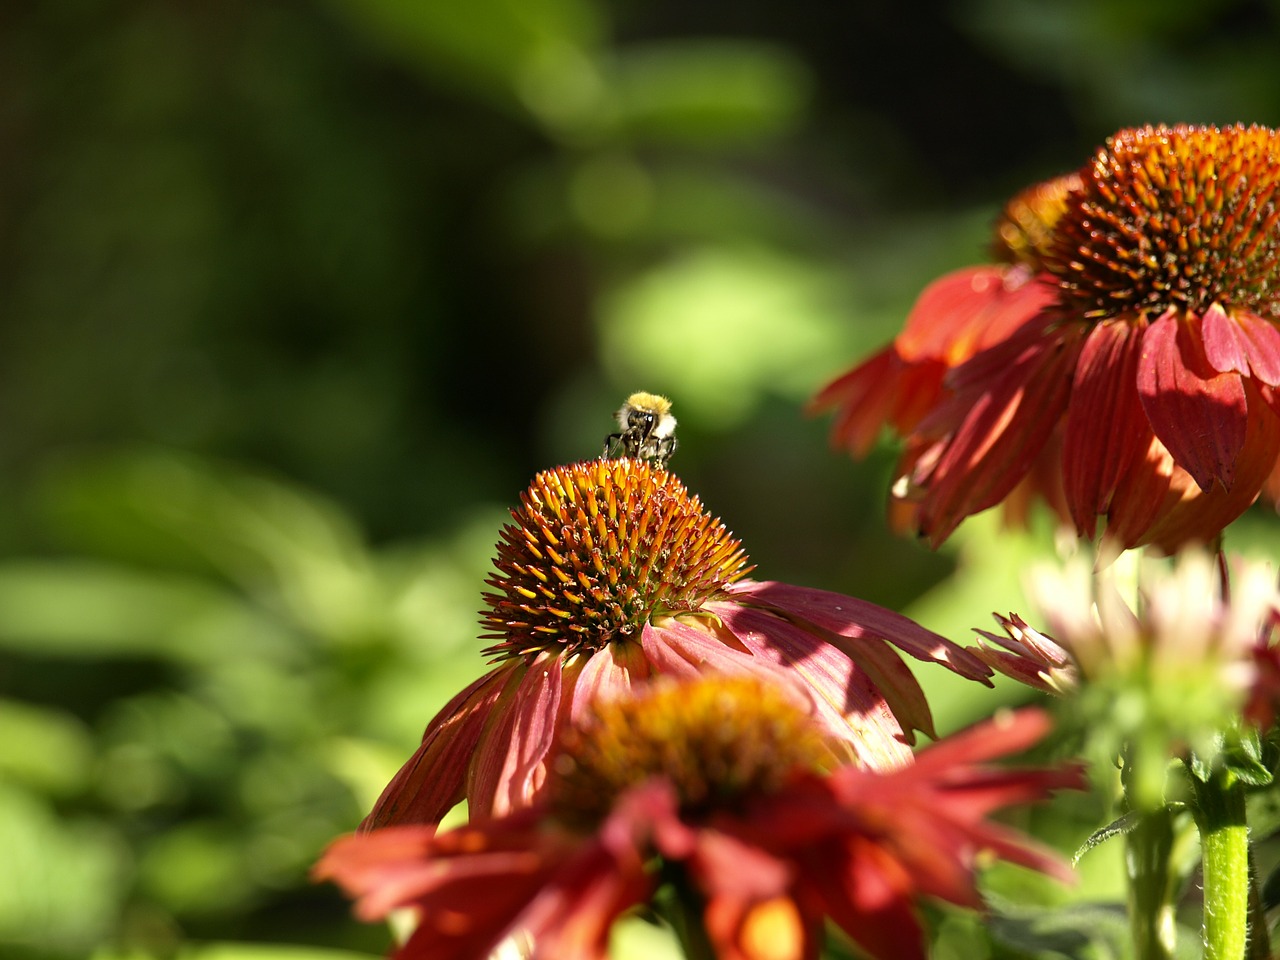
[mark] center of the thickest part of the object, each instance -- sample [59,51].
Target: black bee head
[642,420]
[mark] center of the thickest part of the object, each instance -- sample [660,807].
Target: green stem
[682,907]
[1259,937]
[1224,845]
[1151,887]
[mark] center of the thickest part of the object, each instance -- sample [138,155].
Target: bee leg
[610,442]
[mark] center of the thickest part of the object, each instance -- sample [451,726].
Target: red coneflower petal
[614,670]
[434,779]
[884,390]
[1198,414]
[845,695]
[1006,400]
[870,899]
[1106,429]
[1242,342]
[509,758]
[967,310]
[1186,514]
[856,619]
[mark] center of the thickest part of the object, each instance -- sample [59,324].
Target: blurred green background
[296,297]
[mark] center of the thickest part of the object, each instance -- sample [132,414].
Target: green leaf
[48,750]
[1081,932]
[62,877]
[710,92]
[84,608]
[1116,828]
[536,50]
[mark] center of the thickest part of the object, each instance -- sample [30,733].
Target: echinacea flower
[612,573]
[714,789]
[955,317]
[1176,667]
[1143,390]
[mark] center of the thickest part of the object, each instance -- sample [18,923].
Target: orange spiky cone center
[1174,218]
[597,549]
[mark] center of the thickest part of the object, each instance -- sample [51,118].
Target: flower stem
[1224,844]
[682,907]
[1151,887]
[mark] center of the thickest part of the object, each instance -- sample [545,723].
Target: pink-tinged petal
[723,864]
[885,676]
[614,670]
[1242,342]
[510,761]
[1199,415]
[1007,401]
[849,706]
[859,619]
[1106,429]
[433,781]
[686,652]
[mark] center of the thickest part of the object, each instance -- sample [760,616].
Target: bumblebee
[646,430]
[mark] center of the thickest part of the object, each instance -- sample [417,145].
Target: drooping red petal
[1106,429]
[883,390]
[1242,342]
[510,759]
[1142,493]
[1271,486]
[722,863]
[572,915]
[857,619]
[954,317]
[1008,399]
[468,886]
[1042,484]
[969,310]
[849,705]
[1187,514]
[433,780]
[867,894]
[844,702]
[1198,414]
[614,670]
[384,869]
[989,740]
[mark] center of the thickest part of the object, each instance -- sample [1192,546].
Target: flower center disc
[598,548]
[1174,217]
